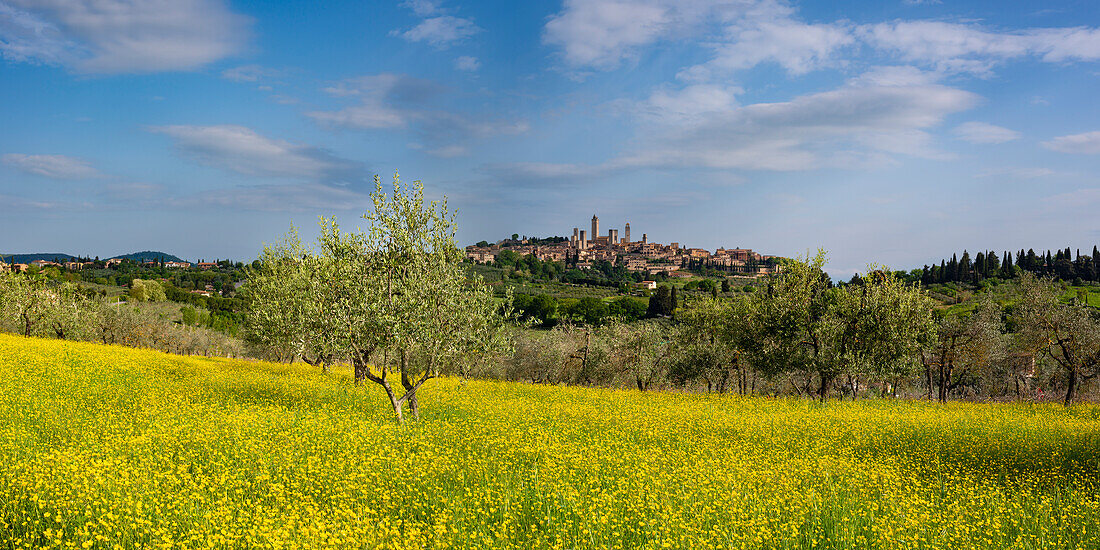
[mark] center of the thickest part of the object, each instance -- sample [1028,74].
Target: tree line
[801,335]
[1064,265]
[35,305]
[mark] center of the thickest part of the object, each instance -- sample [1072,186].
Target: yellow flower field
[108,447]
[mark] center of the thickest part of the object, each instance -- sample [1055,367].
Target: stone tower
[595,227]
[626,231]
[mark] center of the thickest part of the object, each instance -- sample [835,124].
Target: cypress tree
[659,302]
[673,301]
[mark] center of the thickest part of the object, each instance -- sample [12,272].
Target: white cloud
[422,8]
[897,76]
[442,31]
[958,47]
[25,37]
[393,101]
[467,63]
[436,27]
[52,166]
[1020,173]
[603,33]
[386,100]
[808,131]
[121,36]
[859,124]
[687,104]
[242,150]
[982,132]
[1083,144]
[524,173]
[797,47]
[250,73]
[20,203]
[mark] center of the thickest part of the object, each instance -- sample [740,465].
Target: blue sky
[884,131]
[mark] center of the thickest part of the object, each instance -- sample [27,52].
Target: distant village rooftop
[586,246]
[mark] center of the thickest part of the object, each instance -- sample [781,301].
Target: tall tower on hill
[595,227]
[626,237]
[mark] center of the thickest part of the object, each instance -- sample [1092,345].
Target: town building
[586,246]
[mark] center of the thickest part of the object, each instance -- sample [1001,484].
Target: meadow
[110,447]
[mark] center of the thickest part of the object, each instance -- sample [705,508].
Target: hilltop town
[585,247]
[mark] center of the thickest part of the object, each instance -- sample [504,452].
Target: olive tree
[287,303]
[641,350]
[1069,334]
[885,324]
[393,300]
[544,356]
[146,291]
[784,330]
[69,314]
[24,301]
[705,344]
[968,341]
[801,323]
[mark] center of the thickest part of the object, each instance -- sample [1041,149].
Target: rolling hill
[60,256]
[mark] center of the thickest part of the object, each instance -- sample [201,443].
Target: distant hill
[51,256]
[146,255]
[28,258]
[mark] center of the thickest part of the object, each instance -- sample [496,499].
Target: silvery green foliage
[972,343]
[798,323]
[1067,333]
[393,300]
